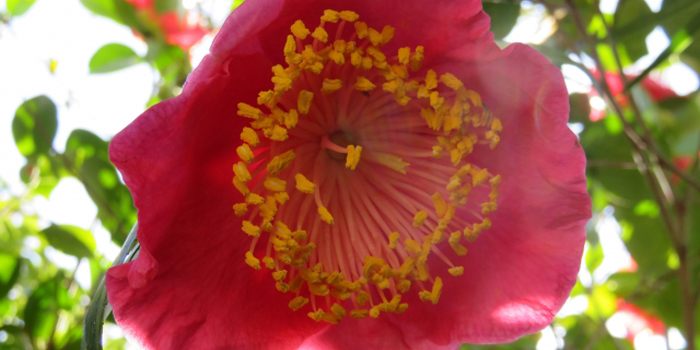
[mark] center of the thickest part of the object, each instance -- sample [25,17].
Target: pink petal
[189,287]
[519,273]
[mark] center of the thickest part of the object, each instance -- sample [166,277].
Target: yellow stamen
[353,157]
[252,261]
[330,16]
[245,153]
[248,111]
[326,215]
[320,34]
[303,184]
[456,271]
[241,172]
[393,239]
[364,84]
[240,209]
[331,85]
[297,303]
[349,16]
[299,30]
[280,162]
[419,218]
[251,229]
[249,136]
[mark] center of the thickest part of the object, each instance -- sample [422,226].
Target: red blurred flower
[657,90]
[364,166]
[638,320]
[180,30]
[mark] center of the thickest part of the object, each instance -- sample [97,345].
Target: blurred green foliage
[643,170]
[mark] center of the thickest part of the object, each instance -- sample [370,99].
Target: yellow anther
[454,243]
[387,34]
[291,118]
[412,246]
[297,303]
[425,250]
[440,204]
[254,199]
[248,111]
[240,209]
[496,125]
[317,315]
[281,197]
[282,287]
[304,101]
[241,172]
[280,162]
[438,235]
[359,313]
[331,85]
[338,310]
[303,184]
[361,30]
[319,289]
[406,267]
[320,34]
[349,16]
[290,48]
[353,157]
[419,218]
[435,100]
[474,98]
[391,161]
[299,30]
[417,58]
[425,295]
[275,184]
[364,84]
[479,176]
[265,97]
[326,215]
[450,212]
[245,153]
[488,208]
[249,136]
[393,239]
[362,297]
[337,57]
[252,261]
[241,186]
[269,263]
[400,71]
[376,53]
[366,63]
[279,275]
[431,80]
[330,16]
[375,311]
[250,229]
[456,271]
[451,81]
[391,86]
[375,37]
[403,286]
[279,133]
[356,59]
[402,308]
[404,55]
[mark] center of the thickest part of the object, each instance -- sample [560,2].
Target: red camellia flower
[399,182]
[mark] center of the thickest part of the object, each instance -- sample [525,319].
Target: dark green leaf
[118,10]
[41,310]
[10,267]
[34,126]
[503,15]
[18,7]
[634,36]
[580,108]
[70,240]
[113,57]
[88,155]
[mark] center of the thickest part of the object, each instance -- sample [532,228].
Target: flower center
[379,162]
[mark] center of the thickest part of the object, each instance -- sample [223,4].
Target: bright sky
[66,32]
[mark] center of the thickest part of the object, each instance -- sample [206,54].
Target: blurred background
[75,72]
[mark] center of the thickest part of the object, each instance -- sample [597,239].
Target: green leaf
[34,126]
[89,156]
[634,37]
[71,240]
[10,267]
[18,7]
[679,42]
[40,313]
[163,6]
[113,57]
[236,3]
[503,15]
[120,11]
